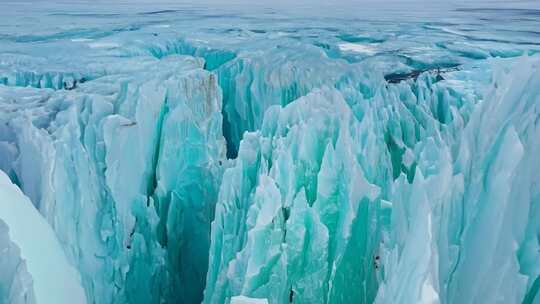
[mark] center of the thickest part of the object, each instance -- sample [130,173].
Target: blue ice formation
[174,153]
[127,209]
[415,195]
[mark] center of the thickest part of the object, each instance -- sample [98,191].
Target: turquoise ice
[269,153]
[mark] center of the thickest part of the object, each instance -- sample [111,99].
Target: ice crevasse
[120,216]
[344,188]
[417,194]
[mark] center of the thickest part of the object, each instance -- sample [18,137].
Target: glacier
[287,153]
[323,215]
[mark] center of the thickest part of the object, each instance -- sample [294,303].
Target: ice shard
[397,206]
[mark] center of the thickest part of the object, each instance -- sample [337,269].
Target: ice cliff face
[121,216]
[281,160]
[485,182]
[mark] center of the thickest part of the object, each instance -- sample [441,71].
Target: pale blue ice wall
[119,168]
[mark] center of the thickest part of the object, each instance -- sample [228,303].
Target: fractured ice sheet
[68,152]
[232,154]
[406,204]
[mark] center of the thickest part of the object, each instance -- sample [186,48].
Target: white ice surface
[358,48]
[246,300]
[54,280]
